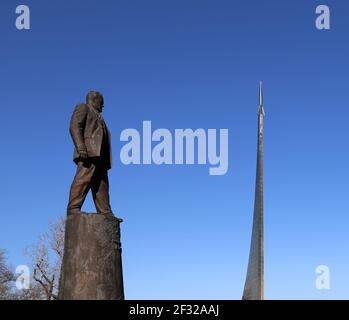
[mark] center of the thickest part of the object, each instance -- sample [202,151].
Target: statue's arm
[77,127]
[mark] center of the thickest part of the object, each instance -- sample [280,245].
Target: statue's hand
[83,155]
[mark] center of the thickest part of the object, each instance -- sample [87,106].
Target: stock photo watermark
[177,148]
[322,21]
[322,281]
[23,17]
[23,278]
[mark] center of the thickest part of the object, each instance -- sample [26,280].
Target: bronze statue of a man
[92,154]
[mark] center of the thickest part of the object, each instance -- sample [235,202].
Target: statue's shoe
[107,214]
[111,215]
[71,213]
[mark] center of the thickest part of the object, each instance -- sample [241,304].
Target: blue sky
[186,64]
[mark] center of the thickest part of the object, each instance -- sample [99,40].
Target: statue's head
[95,100]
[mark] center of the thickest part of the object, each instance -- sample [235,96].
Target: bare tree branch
[6,277]
[47,256]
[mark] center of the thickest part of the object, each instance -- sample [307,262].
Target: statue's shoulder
[80,107]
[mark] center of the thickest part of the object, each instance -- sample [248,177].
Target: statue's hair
[91,95]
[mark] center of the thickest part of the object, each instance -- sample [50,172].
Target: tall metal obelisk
[254,285]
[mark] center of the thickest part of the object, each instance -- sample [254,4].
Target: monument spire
[254,284]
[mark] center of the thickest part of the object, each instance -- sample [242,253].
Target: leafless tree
[46,259]
[6,277]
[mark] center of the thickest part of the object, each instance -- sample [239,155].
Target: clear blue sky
[186,64]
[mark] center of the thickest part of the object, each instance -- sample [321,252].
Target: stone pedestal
[91,267]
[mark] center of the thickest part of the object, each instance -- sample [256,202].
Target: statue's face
[98,103]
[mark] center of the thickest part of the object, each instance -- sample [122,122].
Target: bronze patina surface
[92,154]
